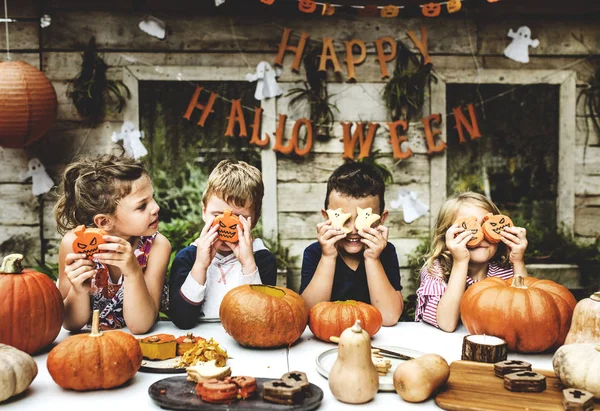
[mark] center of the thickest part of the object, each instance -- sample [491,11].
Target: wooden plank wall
[459,42]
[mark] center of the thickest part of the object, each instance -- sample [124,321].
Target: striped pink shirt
[433,287]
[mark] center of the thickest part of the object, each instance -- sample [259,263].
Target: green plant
[282,254]
[315,94]
[414,262]
[90,87]
[50,269]
[386,173]
[404,93]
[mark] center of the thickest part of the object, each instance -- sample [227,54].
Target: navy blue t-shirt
[347,283]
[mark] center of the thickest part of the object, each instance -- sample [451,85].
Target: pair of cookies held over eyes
[490,229]
[365,218]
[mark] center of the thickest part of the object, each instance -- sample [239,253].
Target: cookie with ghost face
[338,219]
[365,218]
[87,240]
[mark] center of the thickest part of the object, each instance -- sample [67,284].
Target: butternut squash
[416,380]
[353,378]
[585,324]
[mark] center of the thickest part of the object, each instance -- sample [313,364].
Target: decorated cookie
[338,219]
[227,226]
[205,371]
[470,223]
[217,392]
[365,218]
[246,386]
[159,346]
[280,392]
[297,378]
[87,240]
[493,225]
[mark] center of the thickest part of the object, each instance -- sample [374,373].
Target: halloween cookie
[186,342]
[159,347]
[365,218]
[493,225]
[246,386]
[87,240]
[227,223]
[470,223]
[297,378]
[338,219]
[280,392]
[217,392]
[205,371]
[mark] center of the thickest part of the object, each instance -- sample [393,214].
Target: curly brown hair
[357,180]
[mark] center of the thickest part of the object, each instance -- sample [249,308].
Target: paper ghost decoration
[219,2]
[412,208]
[154,27]
[518,49]
[267,86]
[41,181]
[45,21]
[131,140]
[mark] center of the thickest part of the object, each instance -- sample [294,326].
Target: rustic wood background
[199,38]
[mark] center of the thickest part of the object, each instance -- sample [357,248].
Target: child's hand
[207,244]
[328,237]
[516,240]
[118,253]
[243,248]
[456,241]
[375,240]
[79,270]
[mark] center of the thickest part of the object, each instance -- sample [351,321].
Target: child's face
[485,251]
[351,244]
[215,207]
[137,213]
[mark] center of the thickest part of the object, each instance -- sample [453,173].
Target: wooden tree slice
[484,348]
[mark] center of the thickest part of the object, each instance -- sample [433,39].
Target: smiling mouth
[353,240]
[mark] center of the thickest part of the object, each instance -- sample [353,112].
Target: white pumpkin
[17,371]
[578,366]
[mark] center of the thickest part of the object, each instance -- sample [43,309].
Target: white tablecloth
[44,394]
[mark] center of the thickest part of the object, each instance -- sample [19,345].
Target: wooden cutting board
[472,386]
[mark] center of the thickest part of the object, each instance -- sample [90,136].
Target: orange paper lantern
[28,104]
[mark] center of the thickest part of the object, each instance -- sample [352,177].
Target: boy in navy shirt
[350,264]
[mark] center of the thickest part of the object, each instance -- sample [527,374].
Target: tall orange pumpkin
[96,360]
[263,315]
[328,319]
[531,315]
[31,307]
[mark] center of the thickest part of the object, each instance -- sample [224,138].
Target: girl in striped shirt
[451,267]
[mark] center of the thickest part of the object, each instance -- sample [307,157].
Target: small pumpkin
[431,9]
[186,342]
[578,366]
[87,240]
[353,378]
[585,325]
[263,316]
[31,308]
[493,225]
[307,6]
[17,371]
[390,11]
[531,315]
[96,360]
[471,223]
[328,319]
[453,6]
[227,223]
[416,380]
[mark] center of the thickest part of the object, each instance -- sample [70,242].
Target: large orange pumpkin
[531,315]
[96,360]
[328,319]
[263,315]
[31,307]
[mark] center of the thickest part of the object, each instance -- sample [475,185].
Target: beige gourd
[578,366]
[585,324]
[17,371]
[416,380]
[353,378]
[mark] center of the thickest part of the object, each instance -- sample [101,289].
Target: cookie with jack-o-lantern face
[87,240]
[470,223]
[493,225]
[227,223]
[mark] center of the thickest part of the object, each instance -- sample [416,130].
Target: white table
[44,394]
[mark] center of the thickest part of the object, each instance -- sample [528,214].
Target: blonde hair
[94,185]
[237,183]
[446,217]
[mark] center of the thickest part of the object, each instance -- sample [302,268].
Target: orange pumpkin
[390,11]
[531,315]
[95,361]
[431,9]
[307,6]
[31,307]
[87,240]
[328,319]
[263,315]
[471,223]
[227,226]
[493,225]
[454,6]
[269,2]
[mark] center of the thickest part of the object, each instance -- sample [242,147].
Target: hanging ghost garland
[266,86]
[131,138]
[518,49]
[154,27]
[412,208]
[41,181]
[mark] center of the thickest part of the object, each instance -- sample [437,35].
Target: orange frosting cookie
[217,392]
[87,240]
[338,219]
[470,223]
[227,223]
[493,225]
[365,218]
[246,386]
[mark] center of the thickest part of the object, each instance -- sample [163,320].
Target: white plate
[386,382]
